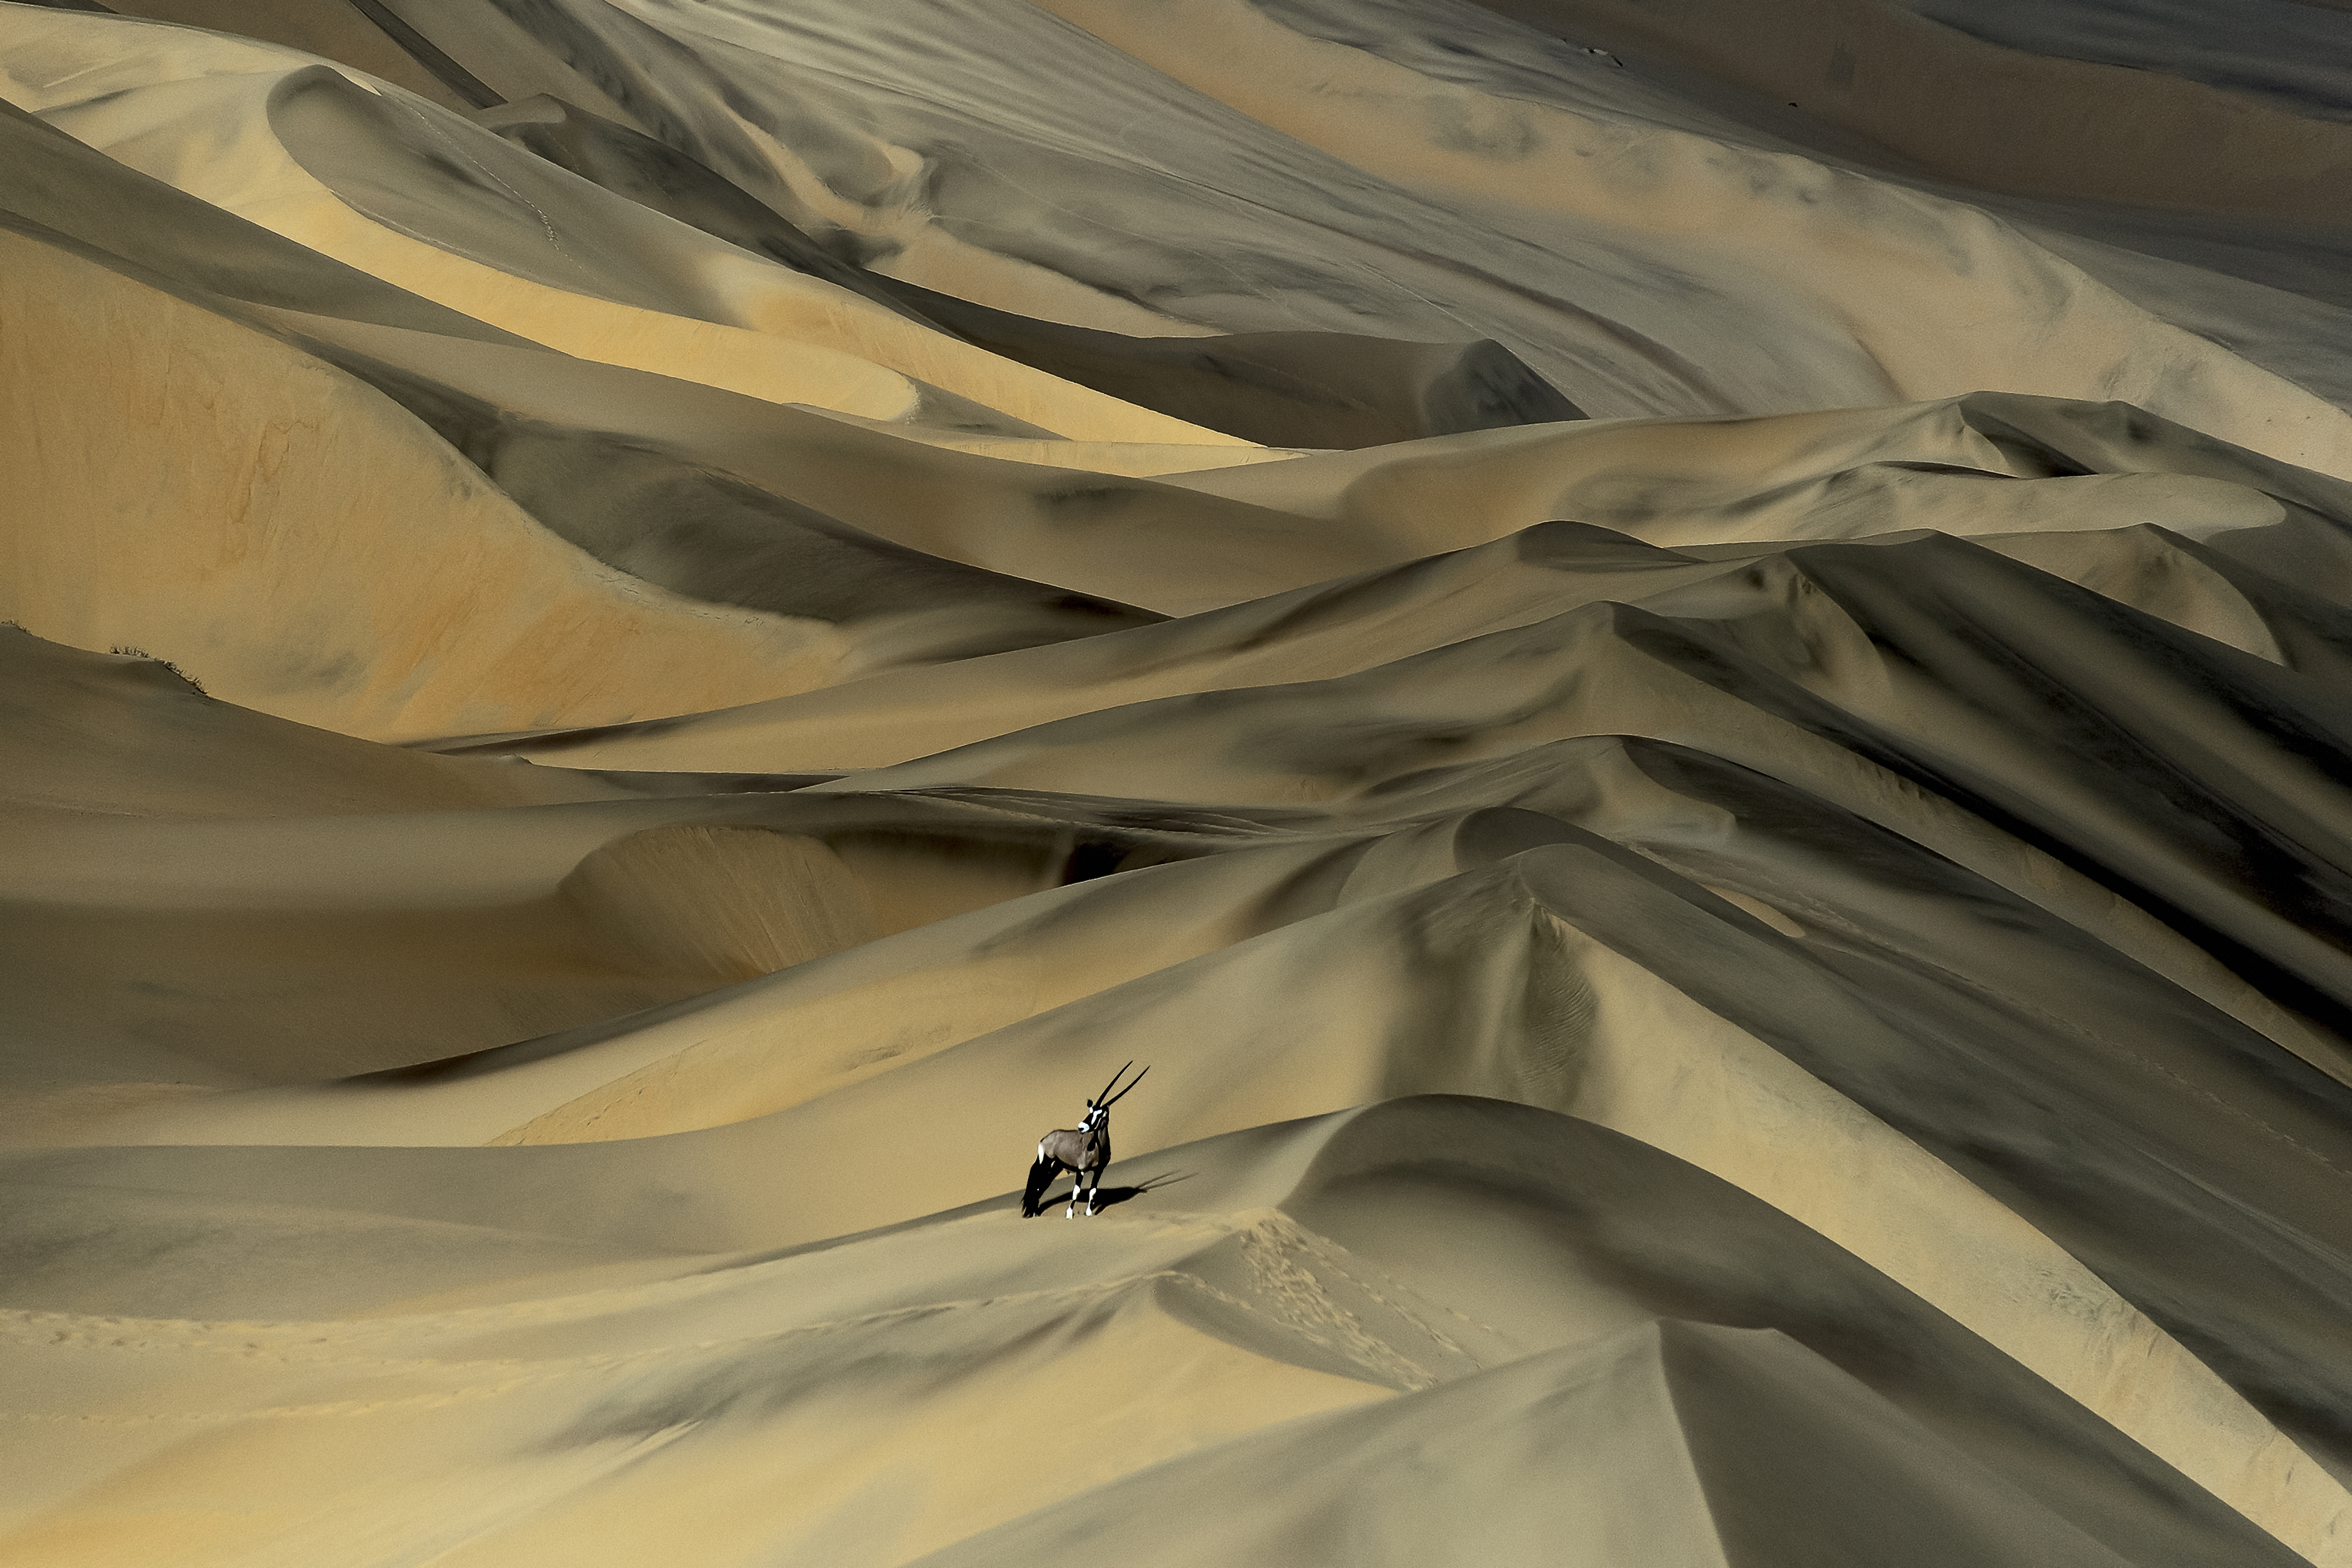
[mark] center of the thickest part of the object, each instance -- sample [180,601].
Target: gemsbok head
[1083,1150]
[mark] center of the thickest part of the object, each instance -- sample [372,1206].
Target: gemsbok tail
[1041,1176]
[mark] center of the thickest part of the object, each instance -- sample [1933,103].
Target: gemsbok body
[1083,1150]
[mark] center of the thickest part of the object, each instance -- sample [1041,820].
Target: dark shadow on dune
[1148,1184]
[1111,1195]
[1308,389]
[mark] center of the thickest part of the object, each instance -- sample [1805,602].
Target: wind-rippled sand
[1686,671]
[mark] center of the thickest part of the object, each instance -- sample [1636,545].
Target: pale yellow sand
[540,259]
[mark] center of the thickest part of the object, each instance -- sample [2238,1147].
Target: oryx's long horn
[1121,1073]
[1122,1094]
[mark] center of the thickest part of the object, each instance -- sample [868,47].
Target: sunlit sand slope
[1273,167]
[1360,1262]
[1684,684]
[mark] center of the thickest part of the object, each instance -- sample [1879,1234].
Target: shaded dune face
[1682,672]
[1283,389]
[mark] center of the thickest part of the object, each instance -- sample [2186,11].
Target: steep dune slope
[710,1375]
[1630,264]
[420,197]
[179,449]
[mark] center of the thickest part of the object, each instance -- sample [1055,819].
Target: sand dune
[422,198]
[1681,674]
[1249,1312]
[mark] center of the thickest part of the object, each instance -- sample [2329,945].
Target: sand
[1682,671]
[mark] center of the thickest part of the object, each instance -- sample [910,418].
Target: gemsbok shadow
[1110,1195]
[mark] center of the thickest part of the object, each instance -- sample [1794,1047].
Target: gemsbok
[1083,1150]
